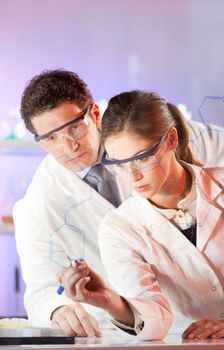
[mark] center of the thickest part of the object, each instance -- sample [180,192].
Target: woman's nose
[135,174]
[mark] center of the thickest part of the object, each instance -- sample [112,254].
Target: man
[57,219]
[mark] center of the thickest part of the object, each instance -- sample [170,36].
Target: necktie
[104,183]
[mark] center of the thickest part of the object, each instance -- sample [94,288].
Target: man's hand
[75,320]
[205,329]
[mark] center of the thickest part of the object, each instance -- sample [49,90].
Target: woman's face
[149,176]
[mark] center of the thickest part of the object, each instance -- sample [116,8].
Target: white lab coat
[207,143]
[58,217]
[144,254]
[59,212]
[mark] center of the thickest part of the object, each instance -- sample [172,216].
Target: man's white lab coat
[58,217]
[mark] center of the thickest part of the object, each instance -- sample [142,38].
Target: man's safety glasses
[75,129]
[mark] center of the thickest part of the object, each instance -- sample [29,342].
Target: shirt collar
[84,172]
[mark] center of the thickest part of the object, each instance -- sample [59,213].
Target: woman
[165,242]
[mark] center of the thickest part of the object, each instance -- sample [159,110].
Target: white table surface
[112,340]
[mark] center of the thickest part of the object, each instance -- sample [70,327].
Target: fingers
[82,294]
[67,320]
[204,329]
[75,285]
[70,325]
[89,324]
[96,327]
[79,269]
[76,324]
[60,274]
[190,330]
[74,320]
[70,276]
[218,335]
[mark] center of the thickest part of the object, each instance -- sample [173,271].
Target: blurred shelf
[7,228]
[20,147]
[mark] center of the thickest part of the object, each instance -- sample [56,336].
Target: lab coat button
[139,327]
[214,289]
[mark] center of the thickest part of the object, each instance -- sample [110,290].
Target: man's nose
[69,142]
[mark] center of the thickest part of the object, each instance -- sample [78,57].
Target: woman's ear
[95,114]
[172,139]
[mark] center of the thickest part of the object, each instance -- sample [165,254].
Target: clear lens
[141,165]
[74,132]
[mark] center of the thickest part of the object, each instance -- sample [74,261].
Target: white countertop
[113,340]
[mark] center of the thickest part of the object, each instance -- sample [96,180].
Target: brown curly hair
[48,90]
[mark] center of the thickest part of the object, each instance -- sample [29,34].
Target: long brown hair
[148,115]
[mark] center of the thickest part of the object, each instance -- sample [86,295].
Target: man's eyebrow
[44,136]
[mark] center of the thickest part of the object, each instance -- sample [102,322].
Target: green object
[11,137]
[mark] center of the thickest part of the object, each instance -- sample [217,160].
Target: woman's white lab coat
[144,254]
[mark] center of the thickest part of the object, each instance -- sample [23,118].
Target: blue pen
[73,263]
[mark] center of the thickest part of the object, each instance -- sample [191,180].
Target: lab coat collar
[54,164]
[208,192]
[84,172]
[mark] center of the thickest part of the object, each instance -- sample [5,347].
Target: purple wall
[171,46]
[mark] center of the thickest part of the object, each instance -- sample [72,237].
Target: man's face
[75,146]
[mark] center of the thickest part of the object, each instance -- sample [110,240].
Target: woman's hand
[83,285]
[205,329]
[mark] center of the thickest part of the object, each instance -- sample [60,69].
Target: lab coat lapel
[65,189]
[162,230]
[208,194]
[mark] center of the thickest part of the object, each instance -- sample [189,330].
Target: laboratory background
[173,47]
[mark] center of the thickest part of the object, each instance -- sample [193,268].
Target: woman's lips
[142,188]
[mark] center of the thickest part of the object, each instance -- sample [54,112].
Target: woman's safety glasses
[140,161]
